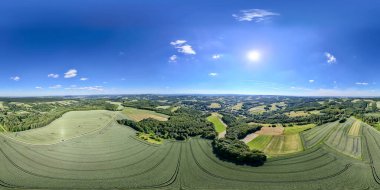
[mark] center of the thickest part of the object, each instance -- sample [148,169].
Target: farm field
[115,157]
[214,105]
[139,114]
[220,127]
[70,125]
[238,106]
[301,113]
[257,110]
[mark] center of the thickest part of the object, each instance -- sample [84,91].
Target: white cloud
[173,58]
[182,47]
[311,81]
[83,79]
[330,58]
[52,75]
[213,74]
[38,87]
[256,15]
[362,83]
[56,86]
[90,88]
[71,73]
[186,49]
[16,78]
[216,56]
[178,42]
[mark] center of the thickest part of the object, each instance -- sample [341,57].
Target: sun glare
[253,56]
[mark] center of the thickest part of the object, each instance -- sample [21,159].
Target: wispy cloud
[178,42]
[213,74]
[256,15]
[183,47]
[311,81]
[71,73]
[90,88]
[173,58]
[52,75]
[331,59]
[216,56]
[362,83]
[38,87]
[15,78]
[83,79]
[56,86]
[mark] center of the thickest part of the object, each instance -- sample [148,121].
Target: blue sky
[122,46]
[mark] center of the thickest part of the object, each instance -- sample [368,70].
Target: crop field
[70,125]
[260,142]
[342,142]
[238,106]
[114,158]
[275,106]
[355,128]
[317,134]
[139,114]
[301,113]
[257,110]
[214,105]
[284,144]
[297,129]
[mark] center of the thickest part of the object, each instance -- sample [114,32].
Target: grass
[274,106]
[260,142]
[150,138]
[163,107]
[214,105]
[140,114]
[257,110]
[175,108]
[216,120]
[297,129]
[238,106]
[119,105]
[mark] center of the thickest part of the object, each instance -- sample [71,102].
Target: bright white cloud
[311,81]
[38,87]
[173,58]
[183,47]
[56,86]
[256,15]
[186,49]
[330,58]
[213,74]
[83,79]
[216,56]
[52,75]
[71,73]
[362,83]
[16,78]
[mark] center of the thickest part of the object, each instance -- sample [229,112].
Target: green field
[218,124]
[114,157]
[260,142]
[70,125]
[297,129]
[140,114]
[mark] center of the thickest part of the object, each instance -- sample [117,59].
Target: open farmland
[214,105]
[139,114]
[114,158]
[220,127]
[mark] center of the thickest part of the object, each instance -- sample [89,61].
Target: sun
[253,56]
